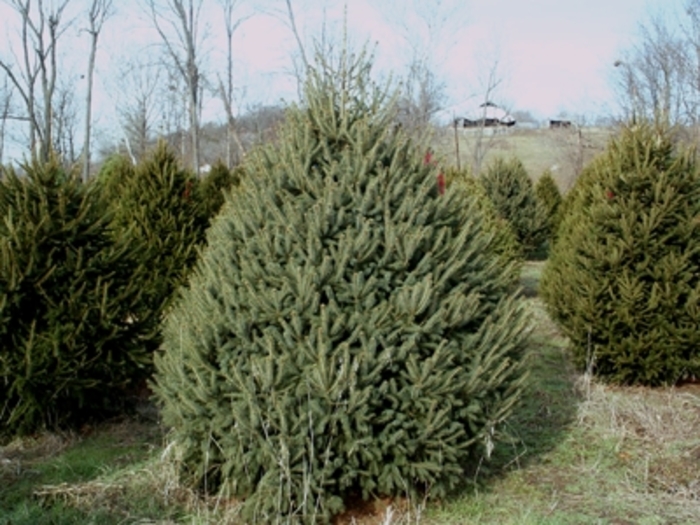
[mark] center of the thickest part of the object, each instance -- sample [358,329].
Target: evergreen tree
[504,242]
[216,184]
[549,200]
[623,278]
[116,170]
[157,207]
[510,189]
[70,348]
[348,330]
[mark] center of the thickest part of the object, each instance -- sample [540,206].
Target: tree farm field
[579,453]
[561,151]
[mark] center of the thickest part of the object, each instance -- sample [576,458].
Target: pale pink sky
[553,55]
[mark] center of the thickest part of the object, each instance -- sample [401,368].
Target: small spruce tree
[69,346]
[157,207]
[216,184]
[348,330]
[505,243]
[623,278]
[549,200]
[510,189]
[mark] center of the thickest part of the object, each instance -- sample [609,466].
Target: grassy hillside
[581,453]
[563,151]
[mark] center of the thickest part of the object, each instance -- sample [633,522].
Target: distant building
[488,115]
[558,123]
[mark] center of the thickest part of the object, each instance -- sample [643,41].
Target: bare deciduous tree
[65,122]
[138,94]
[659,77]
[100,10]
[225,87]
[422,96]
[178,24]
[34,71]
[429,30]
[481,139]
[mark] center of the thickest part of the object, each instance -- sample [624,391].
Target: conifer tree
[69,347]
[157,207]
[505,243]
[549,200]
[116,170]
[216,184]
[623,278]
[510,189]
[348,330]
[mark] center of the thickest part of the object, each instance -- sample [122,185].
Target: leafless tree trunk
[225,89]
[483,138]
[5,109]
[177,23]
[65,123]
[141,100]
[34,74]
[99,11]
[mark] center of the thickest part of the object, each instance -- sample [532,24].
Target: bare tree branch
[225,89]
[295,31]
[100,10]
[41,28]
[183,48]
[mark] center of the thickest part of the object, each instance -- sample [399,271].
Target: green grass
[42,478]
[585,453]
[579,453]
[561,151]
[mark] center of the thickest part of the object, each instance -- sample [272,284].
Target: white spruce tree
[347,330]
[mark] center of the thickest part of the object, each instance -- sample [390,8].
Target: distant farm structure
[489,115]
[558,124]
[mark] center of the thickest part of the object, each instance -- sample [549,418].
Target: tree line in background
[161,94]
[658,75]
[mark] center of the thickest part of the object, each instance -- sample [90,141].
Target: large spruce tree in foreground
[70,340]
[347,331]
[623,278]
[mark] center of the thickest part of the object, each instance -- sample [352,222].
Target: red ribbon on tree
[428,161]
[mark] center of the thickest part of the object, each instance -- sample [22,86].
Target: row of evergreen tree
[340,324]
[87,272]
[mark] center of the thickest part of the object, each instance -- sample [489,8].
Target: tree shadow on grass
[549,403]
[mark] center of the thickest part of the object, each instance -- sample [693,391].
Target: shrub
[623,278]
[510,189]
[68,346]
[347,331]
[549,200]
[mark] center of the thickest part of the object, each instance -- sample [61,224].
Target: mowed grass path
[585,453]
[580,453]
